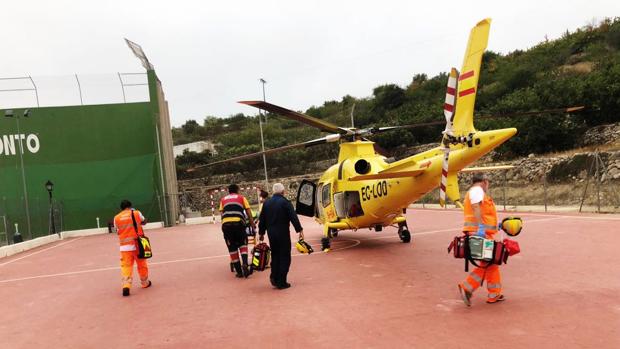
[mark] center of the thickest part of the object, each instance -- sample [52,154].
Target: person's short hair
[233,189]
[278,188]
[264,194]
[125,204]
[478,177]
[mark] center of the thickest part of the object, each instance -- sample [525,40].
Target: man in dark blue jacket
[275,217]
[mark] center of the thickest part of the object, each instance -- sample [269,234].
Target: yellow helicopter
[364,189]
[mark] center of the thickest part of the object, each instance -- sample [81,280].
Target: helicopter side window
[339,203]
[325,195]
[353,204]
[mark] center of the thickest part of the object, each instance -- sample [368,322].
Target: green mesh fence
[95,156]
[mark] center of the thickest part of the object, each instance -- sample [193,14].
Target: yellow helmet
[512,225]
[303,247]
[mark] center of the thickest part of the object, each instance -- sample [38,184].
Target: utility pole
[262,140]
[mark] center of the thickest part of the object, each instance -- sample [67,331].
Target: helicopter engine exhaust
[362,166]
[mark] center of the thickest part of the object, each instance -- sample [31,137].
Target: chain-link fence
[586,182]
[63,90]
[589,187]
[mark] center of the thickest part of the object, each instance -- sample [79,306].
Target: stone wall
[198,196]
[603,134]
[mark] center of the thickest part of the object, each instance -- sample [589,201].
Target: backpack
[261,255]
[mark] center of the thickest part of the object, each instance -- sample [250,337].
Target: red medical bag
[261,255]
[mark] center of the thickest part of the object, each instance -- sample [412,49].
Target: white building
[196,147]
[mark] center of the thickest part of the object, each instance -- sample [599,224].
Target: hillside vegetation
[580,68]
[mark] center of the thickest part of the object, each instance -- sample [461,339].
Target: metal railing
[124,82]
[29,78]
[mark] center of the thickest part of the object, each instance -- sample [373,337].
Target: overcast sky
[210,54]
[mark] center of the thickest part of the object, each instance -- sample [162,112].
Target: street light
[262,141]
[50,187]
[9,114]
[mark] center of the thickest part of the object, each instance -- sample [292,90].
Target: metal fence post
[585,190]
[122,87]
[597,175]
[545,190]
[36,93]
[79,89]
[504,190]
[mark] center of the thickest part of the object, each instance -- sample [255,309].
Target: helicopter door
[306,198]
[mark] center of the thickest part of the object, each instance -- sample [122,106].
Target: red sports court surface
[371,291]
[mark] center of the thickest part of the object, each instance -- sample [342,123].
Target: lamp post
[9,113]
[262,140]
[50,187]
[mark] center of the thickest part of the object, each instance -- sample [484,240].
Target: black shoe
[283,286]
[273,282]
[125,291]
[246,271]
[148,285]
[237,266]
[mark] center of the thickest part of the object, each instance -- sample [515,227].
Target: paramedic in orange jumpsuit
[127,236]
[481,220]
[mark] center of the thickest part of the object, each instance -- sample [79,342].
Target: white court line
[451,229]
[45,249]
[526,214]
[570,217]
[356,242]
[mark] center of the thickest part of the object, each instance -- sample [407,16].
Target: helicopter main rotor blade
[339,131]
[535,112]
[303,118]
[497,116]
[322,140]
[376,130]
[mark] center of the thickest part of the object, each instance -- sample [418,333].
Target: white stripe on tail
[449,105]
[444,176]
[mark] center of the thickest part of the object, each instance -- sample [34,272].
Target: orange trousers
[490,274]
[127,260]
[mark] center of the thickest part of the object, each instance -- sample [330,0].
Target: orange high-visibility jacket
[126,233]
[488,213]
